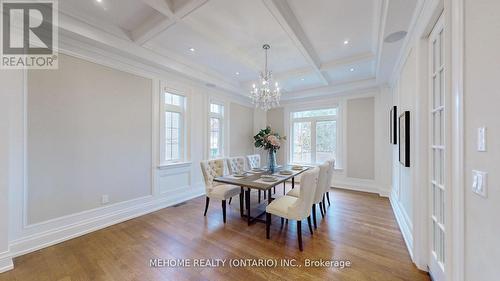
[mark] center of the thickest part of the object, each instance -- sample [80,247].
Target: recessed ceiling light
[237,73]
[192,49]
[98,1]
[302,79]
[352,69]
[346,42]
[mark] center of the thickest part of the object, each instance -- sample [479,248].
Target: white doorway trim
[456,22]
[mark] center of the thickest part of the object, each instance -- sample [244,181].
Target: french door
[438,152]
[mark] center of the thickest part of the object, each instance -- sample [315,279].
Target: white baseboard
[404,224]
[6,263]
[50,237]
[361,185]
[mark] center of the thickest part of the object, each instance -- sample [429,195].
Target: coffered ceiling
[317,46]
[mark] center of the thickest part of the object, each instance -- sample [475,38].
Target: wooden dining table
[253,180]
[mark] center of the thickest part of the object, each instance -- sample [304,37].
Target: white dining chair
[212,169]
[295,208]
[319,191]
[255,163]
[330,179]
[236,165]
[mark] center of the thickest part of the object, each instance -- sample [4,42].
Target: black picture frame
[404,139]
[393,125]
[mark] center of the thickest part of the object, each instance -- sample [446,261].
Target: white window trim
[184,126]
[289,120]
[223,123]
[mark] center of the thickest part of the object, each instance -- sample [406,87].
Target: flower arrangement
[268,139]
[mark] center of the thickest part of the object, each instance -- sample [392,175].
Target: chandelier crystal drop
[265,94]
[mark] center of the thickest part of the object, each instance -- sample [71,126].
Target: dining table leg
[247,199]
[269,199]
[293,182]
[242,192]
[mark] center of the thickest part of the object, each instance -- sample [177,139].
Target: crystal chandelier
[266,95]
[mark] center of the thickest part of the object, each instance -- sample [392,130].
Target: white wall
[360,135]
[167,185]
[11,81]
[404,95]
[241,130]
[275,120]
[89,134]
[259,122]
[403,187]
[482,98]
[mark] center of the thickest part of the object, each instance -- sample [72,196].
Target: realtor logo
[29,34]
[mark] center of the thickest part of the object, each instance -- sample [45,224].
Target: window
[174,111]
[216,130]
[314,135]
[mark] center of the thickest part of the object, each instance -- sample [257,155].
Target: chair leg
[321,209]
[309,223]
[328,197]
[231,198]
[224,210]
[241,202]
[265,197]
[207,201]
[299,234]
[324,207]
[268,225]
[284,188]
[282,221]
[314,215]
[274,189]
[259,195]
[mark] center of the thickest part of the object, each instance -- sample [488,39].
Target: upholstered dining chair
[212,169]
[319,191]
[236,165]
[295,208]
[331,169]
[254,163]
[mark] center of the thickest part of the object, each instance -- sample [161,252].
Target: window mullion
[313,141]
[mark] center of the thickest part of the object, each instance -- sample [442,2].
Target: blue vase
[271,161]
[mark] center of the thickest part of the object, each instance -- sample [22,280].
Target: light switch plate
[481,139]
[479,183]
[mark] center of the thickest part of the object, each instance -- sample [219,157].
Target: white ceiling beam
[162,6]
[348,61]
[284,15]
[187,8]
[352,60]
[380,19]
[332,90]
[150,29]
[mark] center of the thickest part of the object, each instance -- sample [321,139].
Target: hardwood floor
[359,227]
